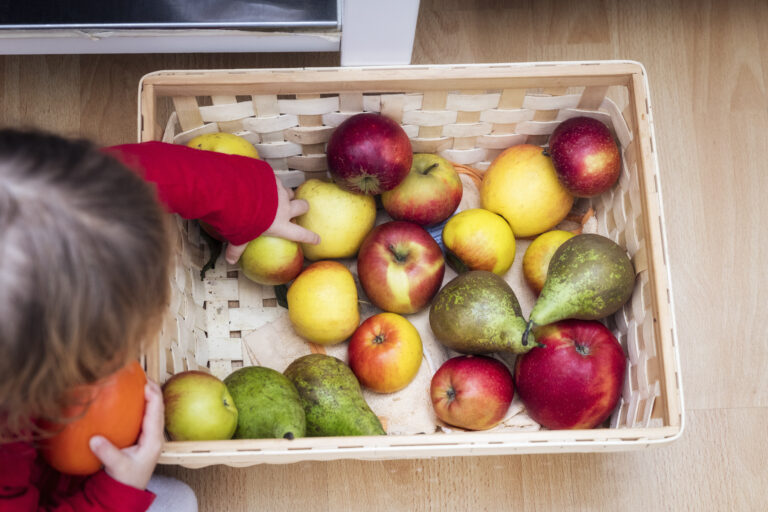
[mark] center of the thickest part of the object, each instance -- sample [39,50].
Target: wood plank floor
[708,68]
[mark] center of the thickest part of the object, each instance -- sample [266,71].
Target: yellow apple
[522,186]
[538,255]
[322,303]
[224,142]
[477,239]
[271,260]
[341,218]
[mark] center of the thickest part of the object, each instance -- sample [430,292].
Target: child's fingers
[106,452]
[151,439]
[297,207]
[291,231]
[234,252]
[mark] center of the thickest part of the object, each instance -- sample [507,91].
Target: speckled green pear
[589,277]
[332,399]
[478,313]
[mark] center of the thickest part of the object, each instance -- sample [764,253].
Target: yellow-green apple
[198,407]
[472,392]
[385,352]
[573,379]
[428,195]
[271,260]
[585,156]
[400,267]
[341,219]
[477,239]
[538,255]
[369,153]
[224,142]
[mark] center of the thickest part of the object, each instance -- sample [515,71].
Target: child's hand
[282,227]
[134,465]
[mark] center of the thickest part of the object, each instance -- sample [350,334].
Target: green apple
[428,195]
[271,260]
[198,407]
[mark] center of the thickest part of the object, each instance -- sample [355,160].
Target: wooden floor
[708,68]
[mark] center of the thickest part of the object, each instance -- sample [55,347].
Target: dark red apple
[574,380]
[369,153]
[585,156]
[400,267]
[472,392]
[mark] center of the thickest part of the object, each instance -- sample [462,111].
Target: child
[84,272]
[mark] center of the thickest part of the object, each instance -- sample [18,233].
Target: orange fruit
[114,408]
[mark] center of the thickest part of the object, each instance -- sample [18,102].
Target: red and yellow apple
[477,239]
[271,260]
[385,352]
[428,195]
[573,379]
[369,153]
[198,407]
[472,392]
[400,267]
[585,156]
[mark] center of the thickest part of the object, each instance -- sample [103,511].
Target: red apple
[369,153]
[585,156]
[472,392]
[400,267]
[574,381]
[428,195]
[385,352]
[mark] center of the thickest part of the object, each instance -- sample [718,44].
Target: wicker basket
[468,114]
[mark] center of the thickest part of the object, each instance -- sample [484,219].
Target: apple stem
[398,255]
[426,171]
[526,332]
[545,153]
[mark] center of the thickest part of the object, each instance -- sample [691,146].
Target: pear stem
[526,331]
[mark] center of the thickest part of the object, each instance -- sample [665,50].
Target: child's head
[84,265]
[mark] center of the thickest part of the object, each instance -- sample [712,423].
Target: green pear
[267,403]
[589,277]
[332,399]
[478,313]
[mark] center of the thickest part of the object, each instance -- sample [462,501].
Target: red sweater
[234,194]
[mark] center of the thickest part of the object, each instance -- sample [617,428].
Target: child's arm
[19,467]
[237,195]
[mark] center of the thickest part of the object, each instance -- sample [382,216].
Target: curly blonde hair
[84,273]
